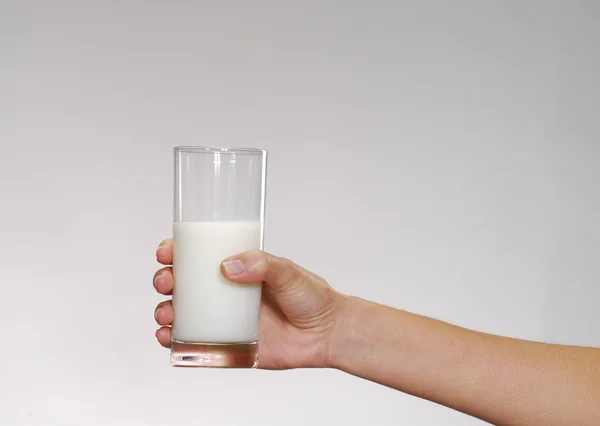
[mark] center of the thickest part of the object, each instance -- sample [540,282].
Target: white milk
[208,308]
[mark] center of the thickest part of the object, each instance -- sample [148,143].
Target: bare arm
[500,380]
[305,323]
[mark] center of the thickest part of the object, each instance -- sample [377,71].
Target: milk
[209,308]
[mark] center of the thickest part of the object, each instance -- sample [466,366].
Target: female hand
[305,323]
[298,313]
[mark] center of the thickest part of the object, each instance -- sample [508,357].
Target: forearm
[500,380]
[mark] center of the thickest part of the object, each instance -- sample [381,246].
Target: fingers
[163,335]
[163,314]
[257,266]
[163,280]
[164,252]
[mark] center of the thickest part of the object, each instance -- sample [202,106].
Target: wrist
[341,331]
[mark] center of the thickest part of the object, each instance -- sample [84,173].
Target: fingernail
[157,281]
[234,266]
[156,313]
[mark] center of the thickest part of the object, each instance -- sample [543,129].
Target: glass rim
[219,150]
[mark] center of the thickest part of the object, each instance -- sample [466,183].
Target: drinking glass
[219,212]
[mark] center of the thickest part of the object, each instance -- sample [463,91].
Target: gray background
[440,157]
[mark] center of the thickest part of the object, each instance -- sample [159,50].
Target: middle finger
[163,280]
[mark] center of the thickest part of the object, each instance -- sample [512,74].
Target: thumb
[258,266]
[305,298]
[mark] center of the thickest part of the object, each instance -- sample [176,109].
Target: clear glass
[219,212]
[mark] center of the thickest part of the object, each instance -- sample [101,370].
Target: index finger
[164,252]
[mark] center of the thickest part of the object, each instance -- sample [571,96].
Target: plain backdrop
[440,157]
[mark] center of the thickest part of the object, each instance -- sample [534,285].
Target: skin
[504,381]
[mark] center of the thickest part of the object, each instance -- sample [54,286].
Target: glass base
[222,355]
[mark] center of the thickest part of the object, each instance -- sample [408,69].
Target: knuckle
[258,255]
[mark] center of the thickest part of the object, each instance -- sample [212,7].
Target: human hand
[305,323]
[299,309]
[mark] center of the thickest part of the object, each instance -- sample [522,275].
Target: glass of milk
[219,212]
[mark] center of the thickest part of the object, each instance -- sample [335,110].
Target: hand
[298,314]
